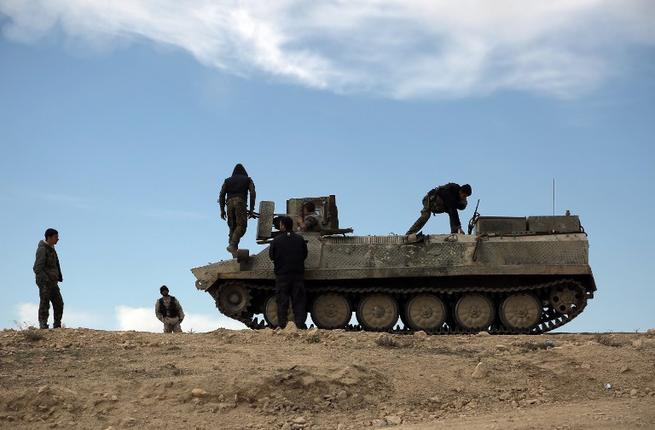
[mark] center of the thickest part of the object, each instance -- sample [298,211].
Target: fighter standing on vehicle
[447,198]
[234,191]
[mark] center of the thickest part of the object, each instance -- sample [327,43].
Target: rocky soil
[324,380]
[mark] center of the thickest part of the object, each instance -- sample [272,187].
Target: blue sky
[118,125]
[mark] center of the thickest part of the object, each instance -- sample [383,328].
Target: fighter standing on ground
[48,272]
[288,252]
[169,311]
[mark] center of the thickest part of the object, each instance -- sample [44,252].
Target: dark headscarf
[239,170]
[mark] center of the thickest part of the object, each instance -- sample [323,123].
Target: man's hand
[223,215]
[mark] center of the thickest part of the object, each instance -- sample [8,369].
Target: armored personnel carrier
[513,275]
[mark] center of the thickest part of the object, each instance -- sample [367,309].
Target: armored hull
[514,275]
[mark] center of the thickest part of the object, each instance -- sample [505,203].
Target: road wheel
[474,312]
[330,311]
[233,298]
[425,312]
[520,311]
[377,312]
[270,312]
[565,299]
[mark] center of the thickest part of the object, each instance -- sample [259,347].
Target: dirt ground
[80,378]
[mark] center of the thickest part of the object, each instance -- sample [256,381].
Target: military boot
[232,249]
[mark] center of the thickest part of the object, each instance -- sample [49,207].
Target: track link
[550,318]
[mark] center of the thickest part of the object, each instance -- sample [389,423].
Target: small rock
[342,395]
[386,340]
[312,336]
[393,420]
[549,344]
[286,426]
[378,423]
[501,347]
[484,333]
[585,366]
[307,380]
[129,421]
[480,371]
[299,420]
[198,392]
[435,399]
[291,327]
[633,392]
[532,401]
[420,334]
[625,368]
[607,386]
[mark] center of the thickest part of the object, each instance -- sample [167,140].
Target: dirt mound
[45,403]
[315,389]
[317,379]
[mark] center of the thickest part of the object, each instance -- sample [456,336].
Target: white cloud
[28,315]
[143,319]
[398,48]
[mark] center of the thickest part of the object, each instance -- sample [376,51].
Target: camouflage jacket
[168,307]
[46,265]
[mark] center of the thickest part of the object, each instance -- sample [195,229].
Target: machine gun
[474,218]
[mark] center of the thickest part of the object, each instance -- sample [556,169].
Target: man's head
[164,290]
[239,170]
[465,191]
[286,223]
[308,208]
[51,236]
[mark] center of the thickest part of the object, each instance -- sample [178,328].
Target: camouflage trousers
[237,219]
[423,219]
[172,325]
[50,293]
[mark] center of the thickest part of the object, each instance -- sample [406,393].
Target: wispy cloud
[143,319]
[127,318]
[397,48]
[28,315]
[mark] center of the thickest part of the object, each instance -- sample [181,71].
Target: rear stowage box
[554,224]
[500,225]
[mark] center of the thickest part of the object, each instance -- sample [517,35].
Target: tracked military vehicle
[512,275]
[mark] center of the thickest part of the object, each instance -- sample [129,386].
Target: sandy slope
[324,380]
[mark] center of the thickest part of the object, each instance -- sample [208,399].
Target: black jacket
[288,252]
[237,186]
[449,195]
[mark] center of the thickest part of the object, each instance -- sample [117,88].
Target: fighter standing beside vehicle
[234,191]
[447,198]
[288,252]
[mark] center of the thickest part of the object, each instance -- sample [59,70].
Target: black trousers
[291,287]
[50,293]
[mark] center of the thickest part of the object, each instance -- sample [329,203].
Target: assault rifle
[474,218]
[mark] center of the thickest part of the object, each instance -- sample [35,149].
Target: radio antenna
[553,196]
